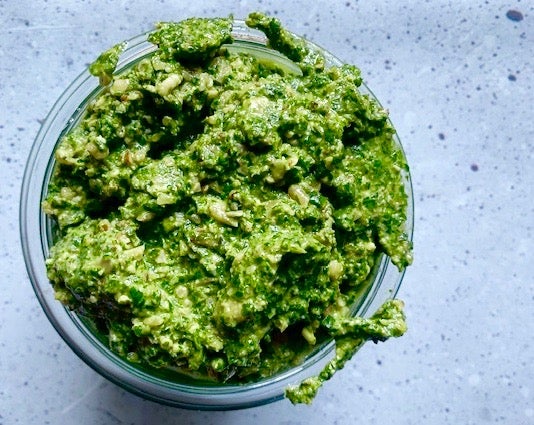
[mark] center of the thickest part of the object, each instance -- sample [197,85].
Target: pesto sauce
[219,215]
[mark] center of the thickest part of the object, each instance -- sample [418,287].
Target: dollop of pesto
[219,216]
[350,334]
[194,38]
[104,66]
[296,49]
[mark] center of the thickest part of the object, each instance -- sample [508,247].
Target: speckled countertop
[458,80]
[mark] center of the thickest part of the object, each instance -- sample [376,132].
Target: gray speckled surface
[458,80]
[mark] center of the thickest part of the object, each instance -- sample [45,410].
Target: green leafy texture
[282,40]
[218,215]
[104,66]
[192,39]
[350,334]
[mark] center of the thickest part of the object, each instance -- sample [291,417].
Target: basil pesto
[219,214]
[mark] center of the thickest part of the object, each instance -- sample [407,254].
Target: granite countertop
[457,78]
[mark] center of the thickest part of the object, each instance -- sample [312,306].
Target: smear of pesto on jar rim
[219,216]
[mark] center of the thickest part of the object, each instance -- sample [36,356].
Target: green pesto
[282,40]
[219,216]
[104,66]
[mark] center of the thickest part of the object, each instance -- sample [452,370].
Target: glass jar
[37,235]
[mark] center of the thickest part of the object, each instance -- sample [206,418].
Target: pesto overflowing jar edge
[227,232]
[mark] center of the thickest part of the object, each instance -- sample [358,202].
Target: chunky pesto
[219,215]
